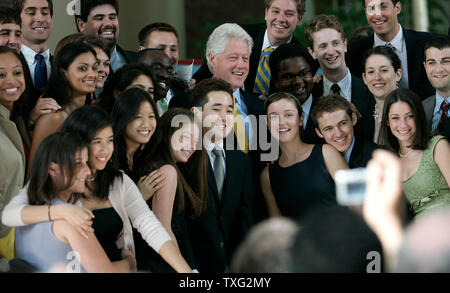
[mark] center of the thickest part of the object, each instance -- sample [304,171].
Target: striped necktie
[239,129]
[262,81]
[444,107]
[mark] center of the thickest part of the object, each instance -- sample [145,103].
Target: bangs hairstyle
[199,95]
[387,52]
[193,171]
[87,121]
[329,104]
[300,4]
[321,22]
[422,136]
[58,87]
[124,111]
[119,81]
[283,52]
[59,148]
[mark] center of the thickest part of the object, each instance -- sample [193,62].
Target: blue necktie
[40,72]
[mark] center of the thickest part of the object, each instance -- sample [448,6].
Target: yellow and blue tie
[262,81]
[239,130]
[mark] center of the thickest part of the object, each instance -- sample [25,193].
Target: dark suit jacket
[222,227]
[128,55]
[428,105]
[415,43]
[256,31]
[362,152]
[364,103]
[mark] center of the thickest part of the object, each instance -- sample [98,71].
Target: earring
[54,175]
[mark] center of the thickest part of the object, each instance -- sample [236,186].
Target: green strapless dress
[427,189]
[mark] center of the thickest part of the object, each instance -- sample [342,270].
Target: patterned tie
[444,107]
[40,72]
[335,89]
[163,106]
[262,81]
[219,172]
[239,129]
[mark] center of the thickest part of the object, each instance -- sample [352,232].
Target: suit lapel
[428,106]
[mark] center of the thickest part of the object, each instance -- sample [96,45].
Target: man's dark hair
[439,42]
[17,5]
[199,95]
[87,6]
[283,52]
[330,104]
[9,15]
[156,26]
[333,239]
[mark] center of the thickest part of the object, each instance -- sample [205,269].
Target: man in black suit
[382,16]
[327,44]
[101,18]
[160,66]
[282,18]
[29,24]
[228,50]
[228,216]
[291,73]
[335,120]
[437,66]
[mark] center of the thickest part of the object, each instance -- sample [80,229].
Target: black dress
[304,185]
[148,259]
[107,226]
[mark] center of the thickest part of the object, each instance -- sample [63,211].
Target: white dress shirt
[30,55]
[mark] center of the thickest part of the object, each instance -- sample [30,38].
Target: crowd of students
[111,160]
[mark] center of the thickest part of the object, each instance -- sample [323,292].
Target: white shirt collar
[237,95]
[30,54]
[345,84]
[267,44]
[397,42]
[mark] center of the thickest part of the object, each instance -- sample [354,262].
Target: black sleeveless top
[149,260]
[107,226]
[299,187]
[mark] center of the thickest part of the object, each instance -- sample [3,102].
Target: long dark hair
[194,170]
[124,111]
[59,148]
[422,136]
[119,81]
[20,106]
[86,122]
[58,86]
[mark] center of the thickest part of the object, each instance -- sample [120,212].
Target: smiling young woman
[74,77]
[425,160]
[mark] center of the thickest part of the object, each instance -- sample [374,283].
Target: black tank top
[299,187]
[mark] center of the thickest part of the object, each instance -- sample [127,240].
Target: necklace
[91,179]
[376,115]
[404,155]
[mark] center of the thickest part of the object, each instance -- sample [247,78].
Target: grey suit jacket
[428,105]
